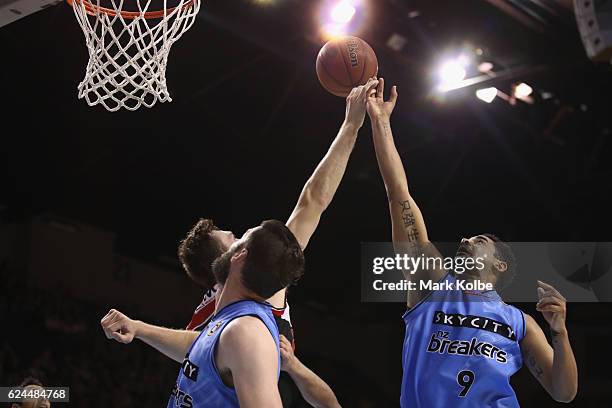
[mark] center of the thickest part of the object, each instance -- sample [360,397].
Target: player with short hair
[205,242]
[461,347]
[234,361]
[32,384]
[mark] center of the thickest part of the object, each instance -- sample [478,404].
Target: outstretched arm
[553,366]
[320,188]
[314,390]
[407,223]
[172,343]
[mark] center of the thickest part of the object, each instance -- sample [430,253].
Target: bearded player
[461,347]
[205,242]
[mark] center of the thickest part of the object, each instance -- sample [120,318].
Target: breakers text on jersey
[441,343]
[181,398]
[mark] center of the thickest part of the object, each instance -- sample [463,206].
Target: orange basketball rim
[128,50]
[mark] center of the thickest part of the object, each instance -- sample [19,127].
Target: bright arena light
[343,12]
[485,67]
[487,94]
[338,18]
[522,90]
[451,74]
[464,60]
[334,30]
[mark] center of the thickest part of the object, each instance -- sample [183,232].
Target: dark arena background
[93,204]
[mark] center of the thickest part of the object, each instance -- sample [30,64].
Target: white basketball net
[128,52]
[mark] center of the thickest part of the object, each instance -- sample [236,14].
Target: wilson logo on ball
[352,49]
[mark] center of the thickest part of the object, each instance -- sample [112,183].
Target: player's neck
[233,291]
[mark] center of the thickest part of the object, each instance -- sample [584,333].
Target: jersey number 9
[465,379]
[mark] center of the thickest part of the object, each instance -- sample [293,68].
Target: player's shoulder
[244,331]
[243,323]
[509,306]
[530,322]
[526,320]
[244,340]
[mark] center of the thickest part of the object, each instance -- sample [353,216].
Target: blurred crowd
[57,338]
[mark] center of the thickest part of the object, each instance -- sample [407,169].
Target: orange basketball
[345,63]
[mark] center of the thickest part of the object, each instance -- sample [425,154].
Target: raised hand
[356,103]
[552,305]
[377,107]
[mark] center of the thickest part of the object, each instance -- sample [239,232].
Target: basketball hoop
[128,50]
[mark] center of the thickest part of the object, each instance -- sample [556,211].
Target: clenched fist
[118,326]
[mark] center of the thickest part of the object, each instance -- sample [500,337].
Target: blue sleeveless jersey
[199,383]
[460,350]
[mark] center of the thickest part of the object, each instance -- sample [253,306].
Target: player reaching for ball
[460,347]
[203,245]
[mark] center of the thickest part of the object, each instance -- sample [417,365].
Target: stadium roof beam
[519,15]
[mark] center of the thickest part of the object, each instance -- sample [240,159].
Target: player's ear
[501,266]
[240,256]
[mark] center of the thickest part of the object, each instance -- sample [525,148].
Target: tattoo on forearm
[535,369]
[413,235]
[555,336]
[387,129]
[409,220]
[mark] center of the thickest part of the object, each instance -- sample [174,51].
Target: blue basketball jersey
[199,383]
[460,349]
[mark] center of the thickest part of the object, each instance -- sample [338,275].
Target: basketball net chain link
[128,56]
